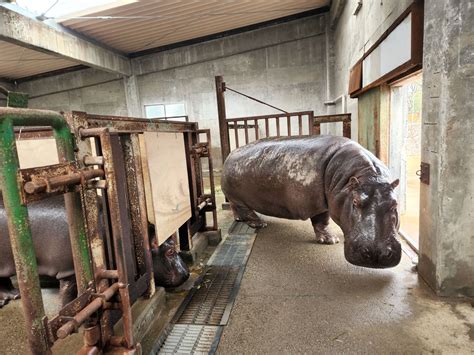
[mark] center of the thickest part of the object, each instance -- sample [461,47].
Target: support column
[447,202]
[132,96]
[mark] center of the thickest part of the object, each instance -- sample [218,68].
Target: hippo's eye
[169,252]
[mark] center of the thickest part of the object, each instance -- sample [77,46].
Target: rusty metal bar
[254,99]
[256,130]
[300,125]
[107,274]
[223,128]
[45,184]
[79,319]
[246,131]
[211,180]
[288,123]
[278,126]
[120,221]
[236,134]
[267,128]
[346,129]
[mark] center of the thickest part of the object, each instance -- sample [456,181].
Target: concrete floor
[300,297]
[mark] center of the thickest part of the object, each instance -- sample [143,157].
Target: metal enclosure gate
[108,229]
[272,125]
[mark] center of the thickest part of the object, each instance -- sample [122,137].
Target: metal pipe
[45,184]
[87,311]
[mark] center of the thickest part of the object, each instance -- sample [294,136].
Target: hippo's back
[282,177]
[50,231]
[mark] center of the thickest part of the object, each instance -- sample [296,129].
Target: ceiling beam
[33,34]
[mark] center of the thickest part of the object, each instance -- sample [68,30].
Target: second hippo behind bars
[315,178]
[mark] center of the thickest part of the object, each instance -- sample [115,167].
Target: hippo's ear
[353,182]
[395,183]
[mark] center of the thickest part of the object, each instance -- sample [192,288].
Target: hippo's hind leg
[245,214]
[67,290]
[7,291]
[320,225]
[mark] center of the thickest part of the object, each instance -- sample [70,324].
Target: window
[165,111]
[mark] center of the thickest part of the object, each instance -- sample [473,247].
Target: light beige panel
[167,180]
[37,152]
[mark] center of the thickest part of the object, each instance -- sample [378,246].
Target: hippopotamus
[49,226]
[317,178]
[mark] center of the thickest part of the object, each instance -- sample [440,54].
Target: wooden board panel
[37,152]
[166,181]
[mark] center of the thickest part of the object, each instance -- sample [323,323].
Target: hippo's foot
[7,291]
[245,214]
[323,237]
[320,224]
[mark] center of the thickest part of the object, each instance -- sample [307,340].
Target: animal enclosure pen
[107,175]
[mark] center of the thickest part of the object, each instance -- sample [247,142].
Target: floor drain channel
[190,339]
[234,251]
[210,303]
[241,228]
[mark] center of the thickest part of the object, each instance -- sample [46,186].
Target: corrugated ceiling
[148,24]
[19,62]
[142,25]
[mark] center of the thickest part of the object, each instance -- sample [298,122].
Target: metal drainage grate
[190,339]
[241,228]
[234,251]
[210,303]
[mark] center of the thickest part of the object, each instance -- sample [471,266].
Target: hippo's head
[168,267]
[370,224]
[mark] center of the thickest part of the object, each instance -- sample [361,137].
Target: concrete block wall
[447,211]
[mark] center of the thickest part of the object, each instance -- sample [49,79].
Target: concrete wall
[352,35]
[447,211]
[283,64]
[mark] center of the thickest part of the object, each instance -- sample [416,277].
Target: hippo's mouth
[374,258]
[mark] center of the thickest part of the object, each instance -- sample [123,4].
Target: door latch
[424,173]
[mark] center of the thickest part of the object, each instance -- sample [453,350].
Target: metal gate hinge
[424,173]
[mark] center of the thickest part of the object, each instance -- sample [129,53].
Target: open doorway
[405,151]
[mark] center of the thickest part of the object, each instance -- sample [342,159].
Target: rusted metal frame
[223,125]
[200,222]
[240,126]
[288,124]
[277,126]
[24,133]
[345,118]
[184,232]
[17,213]
[252,118]
[256,130]
[207,132]
[256,100]
[95,222]
[136,195]
[267,127]
[121,229]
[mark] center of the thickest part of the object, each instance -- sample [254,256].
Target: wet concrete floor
[297,296]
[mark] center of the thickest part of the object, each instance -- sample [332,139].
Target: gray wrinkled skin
[318,177]
[52,246]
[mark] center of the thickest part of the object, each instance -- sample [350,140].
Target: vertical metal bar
[121,229]
[278,126]
[267,127]
[288,123]
[22,242]
[346,128]
[256,129]
[236,133]
[223,125]
[185,240]
[310,124]
[246,128]
[211,181]
[300,125]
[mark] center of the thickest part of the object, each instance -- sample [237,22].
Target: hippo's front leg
[245,214]
[320,225]
[7,291]
[67,290]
